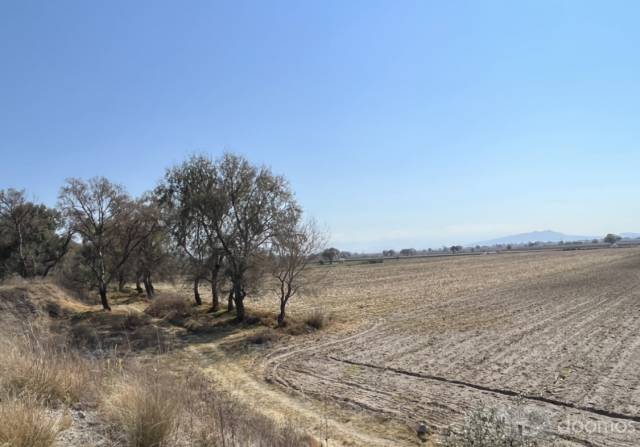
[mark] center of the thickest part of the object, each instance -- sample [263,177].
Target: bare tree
[291,251]
[109,224]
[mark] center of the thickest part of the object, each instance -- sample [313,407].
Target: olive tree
[109,225]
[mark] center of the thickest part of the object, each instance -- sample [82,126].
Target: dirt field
[551,339]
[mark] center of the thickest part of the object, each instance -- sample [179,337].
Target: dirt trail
[321,419]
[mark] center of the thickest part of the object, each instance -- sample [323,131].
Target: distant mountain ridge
[537,236]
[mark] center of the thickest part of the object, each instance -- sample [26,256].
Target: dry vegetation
[51,383]
[552,335]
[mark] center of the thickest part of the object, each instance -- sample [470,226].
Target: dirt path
[325,421]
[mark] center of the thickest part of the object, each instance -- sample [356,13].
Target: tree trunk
[215,291]
[196,293]
[281,317]
[103,297]
[138,286]
[230,301]
[147,287]
[121,282]
[238,297]
[153,289]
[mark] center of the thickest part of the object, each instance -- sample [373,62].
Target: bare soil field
[552,338]
[549,339]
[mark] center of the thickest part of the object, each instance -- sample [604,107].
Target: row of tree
[225,222]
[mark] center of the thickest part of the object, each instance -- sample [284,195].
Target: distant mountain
[630,235]
[536,236]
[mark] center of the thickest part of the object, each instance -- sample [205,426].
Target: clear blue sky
[398,123]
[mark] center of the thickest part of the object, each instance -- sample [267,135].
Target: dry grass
[26,423]
[143,408]
[171,307]
[141,405]
[263,336]
[318,319]
[48,372]
[219,419]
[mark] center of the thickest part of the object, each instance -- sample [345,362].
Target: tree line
[223,222]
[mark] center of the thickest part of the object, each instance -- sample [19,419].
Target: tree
[331,254]
[31,238]
[254,205]
[611,238]
[193,206]
[408,252]
[110,227]
[455,249]
[291,251]
[152,256]
[388,253]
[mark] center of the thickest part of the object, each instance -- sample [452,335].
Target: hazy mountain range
[546,236]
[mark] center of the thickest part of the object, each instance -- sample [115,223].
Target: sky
[398,123]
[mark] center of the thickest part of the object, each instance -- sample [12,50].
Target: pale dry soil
[552,338]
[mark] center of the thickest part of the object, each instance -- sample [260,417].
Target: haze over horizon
[398,124]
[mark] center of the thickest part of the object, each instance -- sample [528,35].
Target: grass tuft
[143,409]
[26,423]
[48,372]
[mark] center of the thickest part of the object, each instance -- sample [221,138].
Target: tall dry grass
[219,419]
[25,422]
[52,373]
[142,408]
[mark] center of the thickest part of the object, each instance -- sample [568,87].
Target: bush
[318,319]
[142,409]
[264,336]
[26,423]
[134,319]
[170,307]
[484,428]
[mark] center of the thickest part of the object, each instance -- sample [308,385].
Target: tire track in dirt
[215,364]
[500,391]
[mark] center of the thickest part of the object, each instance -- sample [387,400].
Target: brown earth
[553,337]
[550,339]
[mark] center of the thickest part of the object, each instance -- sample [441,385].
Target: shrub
[317,319]
[171,307]
[264,336]
[134,319]
[142,409]
[484,428]
[26,423]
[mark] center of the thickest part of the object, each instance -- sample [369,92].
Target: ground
[550,339]
[552,336]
